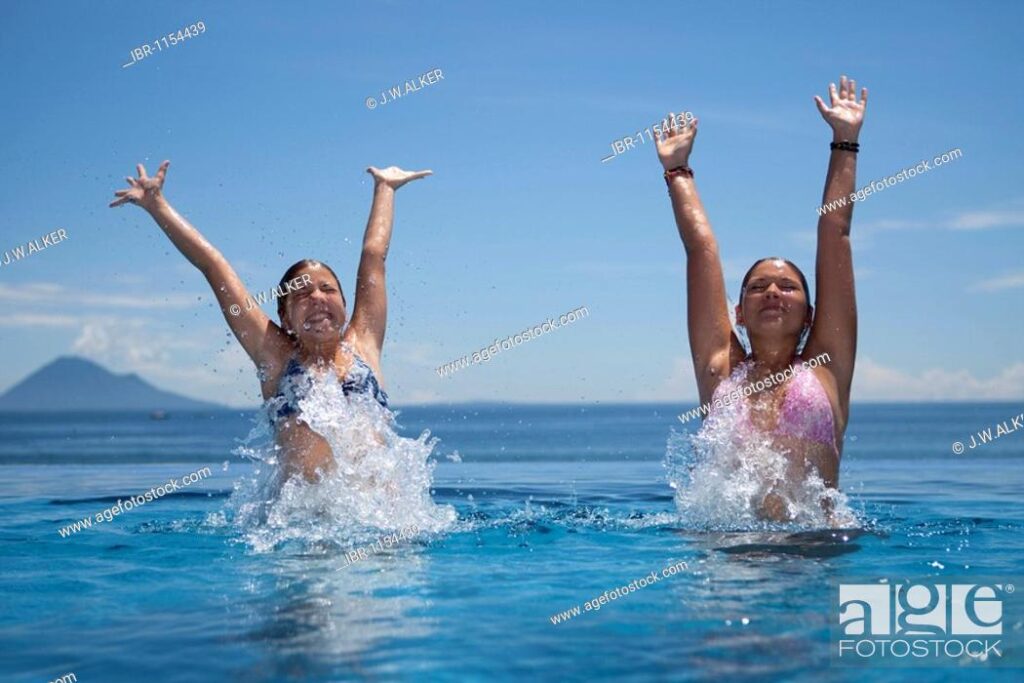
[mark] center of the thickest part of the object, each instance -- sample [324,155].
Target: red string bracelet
[678,170]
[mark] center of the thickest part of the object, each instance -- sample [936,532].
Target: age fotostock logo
[921,622]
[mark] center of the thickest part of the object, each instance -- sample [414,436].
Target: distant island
[76,384]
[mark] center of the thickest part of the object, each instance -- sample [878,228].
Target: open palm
[674,142]
[846,115]
[144,190]
[394,177]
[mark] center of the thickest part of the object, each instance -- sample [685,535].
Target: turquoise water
[556,505]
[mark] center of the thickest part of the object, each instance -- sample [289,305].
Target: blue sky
[264,120]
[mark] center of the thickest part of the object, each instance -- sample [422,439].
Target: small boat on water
[158,415]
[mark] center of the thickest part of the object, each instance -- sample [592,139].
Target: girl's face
[316,311]
[774,301]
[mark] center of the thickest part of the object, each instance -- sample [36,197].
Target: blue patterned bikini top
[294,383]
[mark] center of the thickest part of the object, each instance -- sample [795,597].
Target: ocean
[556,506]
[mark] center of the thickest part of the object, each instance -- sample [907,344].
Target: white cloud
[964,220]
[892,224]
[410,374]
[171,361]
[679,385]
[128,344]
[127,278]
[22,320]
[980,220]
[875,382]
[416,354]
[192,363]
[863,233]
[420,396]
[52,293]
[1011,281]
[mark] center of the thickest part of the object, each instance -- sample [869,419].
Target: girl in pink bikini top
[805,412]
[778,319]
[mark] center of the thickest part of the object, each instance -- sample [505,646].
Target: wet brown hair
[803,280]
[294,270]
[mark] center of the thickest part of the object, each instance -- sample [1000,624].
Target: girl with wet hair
[315,335]
[804,417]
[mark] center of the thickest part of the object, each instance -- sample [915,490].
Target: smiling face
[774,301]
[316,311]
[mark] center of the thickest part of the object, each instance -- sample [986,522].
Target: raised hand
[144,191]
[394,177]
[846,114]
[674,141]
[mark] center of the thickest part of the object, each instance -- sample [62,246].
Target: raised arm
[370,313]
[261,338]
[713,344]
[834,330]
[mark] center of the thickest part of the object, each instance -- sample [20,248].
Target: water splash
[727,476]
[381,482]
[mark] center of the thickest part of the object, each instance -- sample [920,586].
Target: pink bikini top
[805,412]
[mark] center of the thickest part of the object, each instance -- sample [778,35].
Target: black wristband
[845,146]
